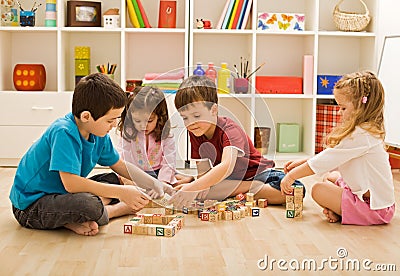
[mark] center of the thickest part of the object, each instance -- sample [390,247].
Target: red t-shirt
[228,133]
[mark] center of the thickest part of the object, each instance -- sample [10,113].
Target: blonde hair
[365,92]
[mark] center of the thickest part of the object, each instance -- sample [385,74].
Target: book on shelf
[233,14]
[167,14]
[237,14]
[132,14]
[144,16]
[228,15]
[242,12]
[138,13]
[246,14]
[221,18]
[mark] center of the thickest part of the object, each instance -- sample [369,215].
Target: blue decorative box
[325,84]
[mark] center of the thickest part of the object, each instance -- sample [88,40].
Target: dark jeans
[55,210]
[274,178]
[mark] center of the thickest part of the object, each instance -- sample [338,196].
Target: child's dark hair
[151,100]
[196,89]
[97,94]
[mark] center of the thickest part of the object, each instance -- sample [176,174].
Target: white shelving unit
[334,52]
[24,115]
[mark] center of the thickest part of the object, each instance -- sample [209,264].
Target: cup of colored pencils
[107,69]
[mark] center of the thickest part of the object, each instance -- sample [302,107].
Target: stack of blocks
[51,13]
[82,62]
[154,225]
[158,218]
[294,202]
[232,209]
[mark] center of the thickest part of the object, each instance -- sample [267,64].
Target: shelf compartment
[326,8]
[341,55]
[270,112]
[306,7]
[281,61]
[167,53]
[222,47]
[151,8]
[28,47]
[100,45]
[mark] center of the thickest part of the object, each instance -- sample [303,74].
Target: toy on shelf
[82,62]
[8,13]
[294,202]
[50,19]
[111,18]
[29,77]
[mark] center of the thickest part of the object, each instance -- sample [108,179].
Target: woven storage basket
[350,21]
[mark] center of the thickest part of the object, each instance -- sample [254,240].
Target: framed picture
[83,14]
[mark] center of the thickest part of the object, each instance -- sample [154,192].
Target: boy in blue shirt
[50,187]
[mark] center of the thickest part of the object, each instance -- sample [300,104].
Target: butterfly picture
[261,25]
[300,18]
[286,17]
[297,27]
[282,25]
[263,15]
[272,19]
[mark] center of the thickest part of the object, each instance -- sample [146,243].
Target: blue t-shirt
[61,148]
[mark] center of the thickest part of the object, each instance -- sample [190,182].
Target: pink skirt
[358,212]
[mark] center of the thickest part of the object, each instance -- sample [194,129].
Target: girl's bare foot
[119,209]
[331,216]
[88,228]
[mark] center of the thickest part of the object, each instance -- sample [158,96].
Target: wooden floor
[200,248]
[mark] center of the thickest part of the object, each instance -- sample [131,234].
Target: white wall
[389,23]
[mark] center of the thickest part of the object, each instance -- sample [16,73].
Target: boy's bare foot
[88,228]
[331,216]
[119,209]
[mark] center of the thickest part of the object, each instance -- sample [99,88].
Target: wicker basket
[349,21]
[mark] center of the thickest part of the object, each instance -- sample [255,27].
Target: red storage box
[279,85]
[394,161]
[327,118]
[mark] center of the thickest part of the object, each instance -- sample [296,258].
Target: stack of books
[137,15]
[235,14]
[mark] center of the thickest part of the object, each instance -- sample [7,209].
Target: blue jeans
[56,210]
[274,178]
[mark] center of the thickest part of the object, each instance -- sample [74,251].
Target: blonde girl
[359,190]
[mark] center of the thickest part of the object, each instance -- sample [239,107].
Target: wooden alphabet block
[213,217]
[205,216]
[128,228]
[157,219]
[290,213]
[148,218]
[249,197]
[255,212]
[159,230]
[236,214]
[240,197]
[228,215]
[262,203]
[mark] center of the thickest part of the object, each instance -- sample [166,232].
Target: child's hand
[168,189]
[157,191]
[134,198]
[290,165]
[286,185]
[183,197]
[183,179]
